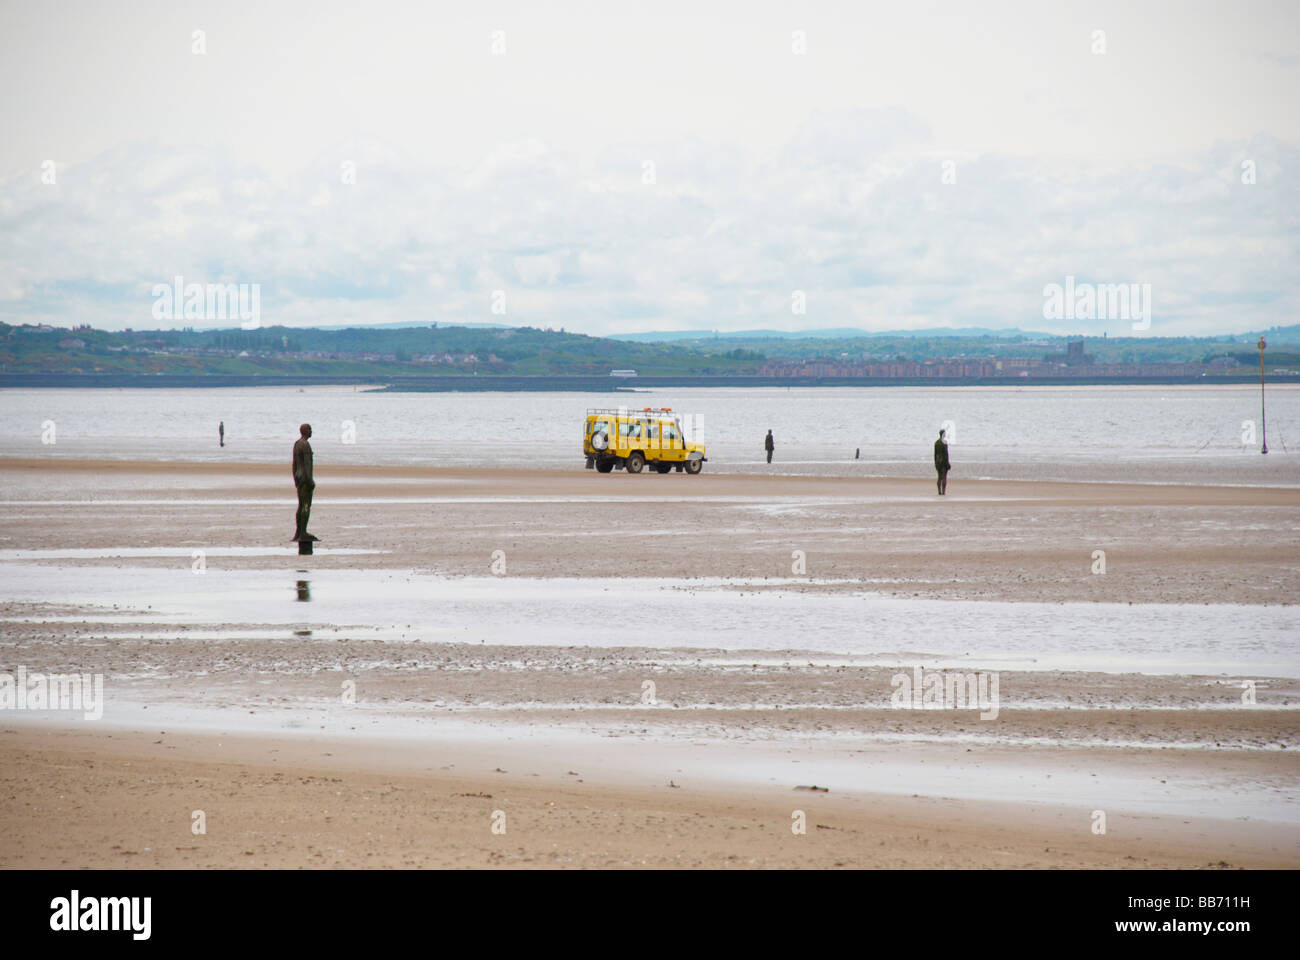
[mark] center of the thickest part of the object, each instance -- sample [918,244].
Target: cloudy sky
[616,168]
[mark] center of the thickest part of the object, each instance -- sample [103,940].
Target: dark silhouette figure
[302,479]
[221,433]
[769,445]
[941,464]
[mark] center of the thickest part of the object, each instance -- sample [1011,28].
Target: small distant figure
[302,479]
[941,464]
[221,433]
[857,454]
[769,445]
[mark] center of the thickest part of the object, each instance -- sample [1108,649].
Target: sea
[1152,434]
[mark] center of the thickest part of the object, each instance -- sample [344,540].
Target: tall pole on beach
[1263,426]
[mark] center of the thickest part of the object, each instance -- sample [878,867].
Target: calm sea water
[1155,434]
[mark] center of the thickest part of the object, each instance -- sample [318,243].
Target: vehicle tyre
[635,461]
[663,467]
[604,466]
[694,466]
[600,440]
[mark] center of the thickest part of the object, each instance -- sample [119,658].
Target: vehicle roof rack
[643,413]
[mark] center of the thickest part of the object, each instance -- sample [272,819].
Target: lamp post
[1263,427]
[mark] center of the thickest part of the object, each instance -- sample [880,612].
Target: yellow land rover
[630,439]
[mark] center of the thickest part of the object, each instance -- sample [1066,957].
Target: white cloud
[380,163]
[852,211]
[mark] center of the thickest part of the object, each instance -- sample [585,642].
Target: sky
[613,168]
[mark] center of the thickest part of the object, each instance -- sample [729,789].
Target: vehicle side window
[670,431]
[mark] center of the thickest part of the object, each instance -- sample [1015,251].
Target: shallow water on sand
[772,615]
[1081,782]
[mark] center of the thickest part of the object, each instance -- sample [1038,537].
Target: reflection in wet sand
[707,614]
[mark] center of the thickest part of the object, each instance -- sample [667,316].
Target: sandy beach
[498,630]
[128,801]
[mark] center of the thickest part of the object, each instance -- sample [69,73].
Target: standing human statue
[302,479]
[221,433]
[769,445]
[941,464]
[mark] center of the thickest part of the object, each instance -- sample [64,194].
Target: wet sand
[987,540]
[122,800]
[587,774]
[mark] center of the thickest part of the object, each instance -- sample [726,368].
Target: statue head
[305,430]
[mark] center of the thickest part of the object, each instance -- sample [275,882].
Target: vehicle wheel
[694,466]
[635,461]
[599,440]
[663,467]
[604,466]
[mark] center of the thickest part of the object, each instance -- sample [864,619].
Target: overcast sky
[614,168]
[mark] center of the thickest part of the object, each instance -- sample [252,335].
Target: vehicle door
[638,436]
[672,445]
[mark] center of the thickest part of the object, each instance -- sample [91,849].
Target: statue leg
[304,511]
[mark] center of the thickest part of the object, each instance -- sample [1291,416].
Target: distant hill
[381,351]
[828,333]
[416,350]
[408,324]
[1273,335]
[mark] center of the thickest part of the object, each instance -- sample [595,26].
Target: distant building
[972,369]
[1073,356]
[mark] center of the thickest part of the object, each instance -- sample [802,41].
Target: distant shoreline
[591,384]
